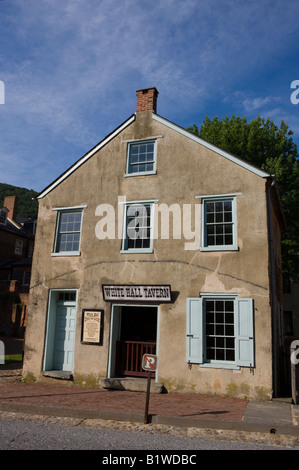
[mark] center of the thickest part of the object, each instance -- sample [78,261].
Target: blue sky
[71,69]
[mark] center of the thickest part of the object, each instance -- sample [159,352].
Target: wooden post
[147,396]
[294,374]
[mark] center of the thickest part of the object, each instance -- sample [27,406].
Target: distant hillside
[27,207]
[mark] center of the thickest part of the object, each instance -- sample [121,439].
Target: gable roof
[13,228]
[85,157]
[175,127]
[214,148]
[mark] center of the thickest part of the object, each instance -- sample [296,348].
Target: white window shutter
[194,337]
[245,332]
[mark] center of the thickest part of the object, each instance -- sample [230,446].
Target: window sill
[67,253]
[219,248]
[218,365]
[136,251]
[141,173]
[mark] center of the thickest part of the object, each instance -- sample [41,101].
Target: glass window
[19,247]
[141,157]
[68,232]
[138,228]
[220,330]
[219,230]
[3,217]
[26,278]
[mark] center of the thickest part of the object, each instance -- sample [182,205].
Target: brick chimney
[11,203]
[147,99]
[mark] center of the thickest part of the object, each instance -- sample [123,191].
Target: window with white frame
[220,331]
[68,234]
[219,228]
[138,228]
[141,157]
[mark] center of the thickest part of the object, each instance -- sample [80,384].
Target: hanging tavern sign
[144,293]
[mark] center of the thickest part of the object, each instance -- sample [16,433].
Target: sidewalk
[274,421]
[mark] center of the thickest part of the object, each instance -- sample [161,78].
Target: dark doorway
[138,332]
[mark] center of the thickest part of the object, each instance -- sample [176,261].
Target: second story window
[141,157]
[3,216]
[19,247]
[68,233]
[138,228]
[219,224]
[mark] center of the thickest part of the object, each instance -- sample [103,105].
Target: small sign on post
[149,363]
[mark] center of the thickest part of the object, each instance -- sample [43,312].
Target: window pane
[141,157]
[138,227]
[219,329]
[149,167]
[68,236]
[219,227]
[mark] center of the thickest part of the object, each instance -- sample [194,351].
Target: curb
[283,437]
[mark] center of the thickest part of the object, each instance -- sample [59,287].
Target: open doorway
[133,334]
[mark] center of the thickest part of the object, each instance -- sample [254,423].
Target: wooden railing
[129,357]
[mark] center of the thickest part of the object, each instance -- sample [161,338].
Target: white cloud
[71,68]
[259,103]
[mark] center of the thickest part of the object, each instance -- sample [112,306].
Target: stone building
[158,242]
[16,249]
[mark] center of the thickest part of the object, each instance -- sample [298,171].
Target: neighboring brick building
[157,241]
[16,249]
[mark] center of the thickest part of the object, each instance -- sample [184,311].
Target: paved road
[22,435]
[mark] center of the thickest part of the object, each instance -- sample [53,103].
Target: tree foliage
[27,206]
[271,148]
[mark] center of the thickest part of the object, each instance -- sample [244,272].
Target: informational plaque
[92,326]
[137,293]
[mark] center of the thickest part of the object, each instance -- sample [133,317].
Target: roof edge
[85,157]
[205,143]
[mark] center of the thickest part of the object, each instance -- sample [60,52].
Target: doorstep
[58,374]
[131,384]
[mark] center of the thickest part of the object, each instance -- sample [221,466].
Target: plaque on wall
[92,326]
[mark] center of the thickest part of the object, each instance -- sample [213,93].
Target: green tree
[27,204]
[271,148]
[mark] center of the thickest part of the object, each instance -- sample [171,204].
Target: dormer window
[3,215]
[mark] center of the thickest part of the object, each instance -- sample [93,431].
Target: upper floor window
[68,232]
[26,278]
[138,228]
[3,216]
[219,231]
[19,247]
[141,157]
